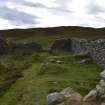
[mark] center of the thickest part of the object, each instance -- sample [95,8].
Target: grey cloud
[39,5]
[17,17]
[94,8]
[28,3]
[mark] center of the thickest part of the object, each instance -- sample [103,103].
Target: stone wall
[77,45]
[98,52]
[61,45]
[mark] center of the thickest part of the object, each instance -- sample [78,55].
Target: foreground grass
[35,83]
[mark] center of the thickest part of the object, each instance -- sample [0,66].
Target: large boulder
[61,45]
[75,45]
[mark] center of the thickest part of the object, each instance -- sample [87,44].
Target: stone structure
[75,45]
[79,45]
[96,48]
[61,45]
[98,52]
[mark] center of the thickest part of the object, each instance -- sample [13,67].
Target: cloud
[94,8]
[17,17]
[45,13]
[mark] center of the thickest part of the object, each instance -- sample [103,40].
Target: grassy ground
[42,76]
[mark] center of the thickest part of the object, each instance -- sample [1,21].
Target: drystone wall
[95,48]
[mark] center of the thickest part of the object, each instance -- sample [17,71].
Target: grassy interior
[37,76]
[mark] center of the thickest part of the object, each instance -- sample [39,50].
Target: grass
[32,87]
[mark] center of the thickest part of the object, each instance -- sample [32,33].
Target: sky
[51,13]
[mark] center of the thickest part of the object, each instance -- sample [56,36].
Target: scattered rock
[71,94]
[54,98]
[102,83]
[67,92]
[52,60]
[91,96]
[55,61]
[68,95]
[59,62]
[102,74]
[61,103]
[103,103]
[84,61]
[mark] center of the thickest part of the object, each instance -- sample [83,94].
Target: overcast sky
[49,13]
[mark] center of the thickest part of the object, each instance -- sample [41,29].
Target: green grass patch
[32,88]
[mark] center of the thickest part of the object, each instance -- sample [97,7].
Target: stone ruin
[75,45]
[27,45]
[98,52]
[10,46]
[96,48]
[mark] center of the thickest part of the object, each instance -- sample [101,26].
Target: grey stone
[98,52]
[75,45]
[84,61]
[91,96]
[67,92]
[71,94]
[102,83]
[102,74]
[54,97]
